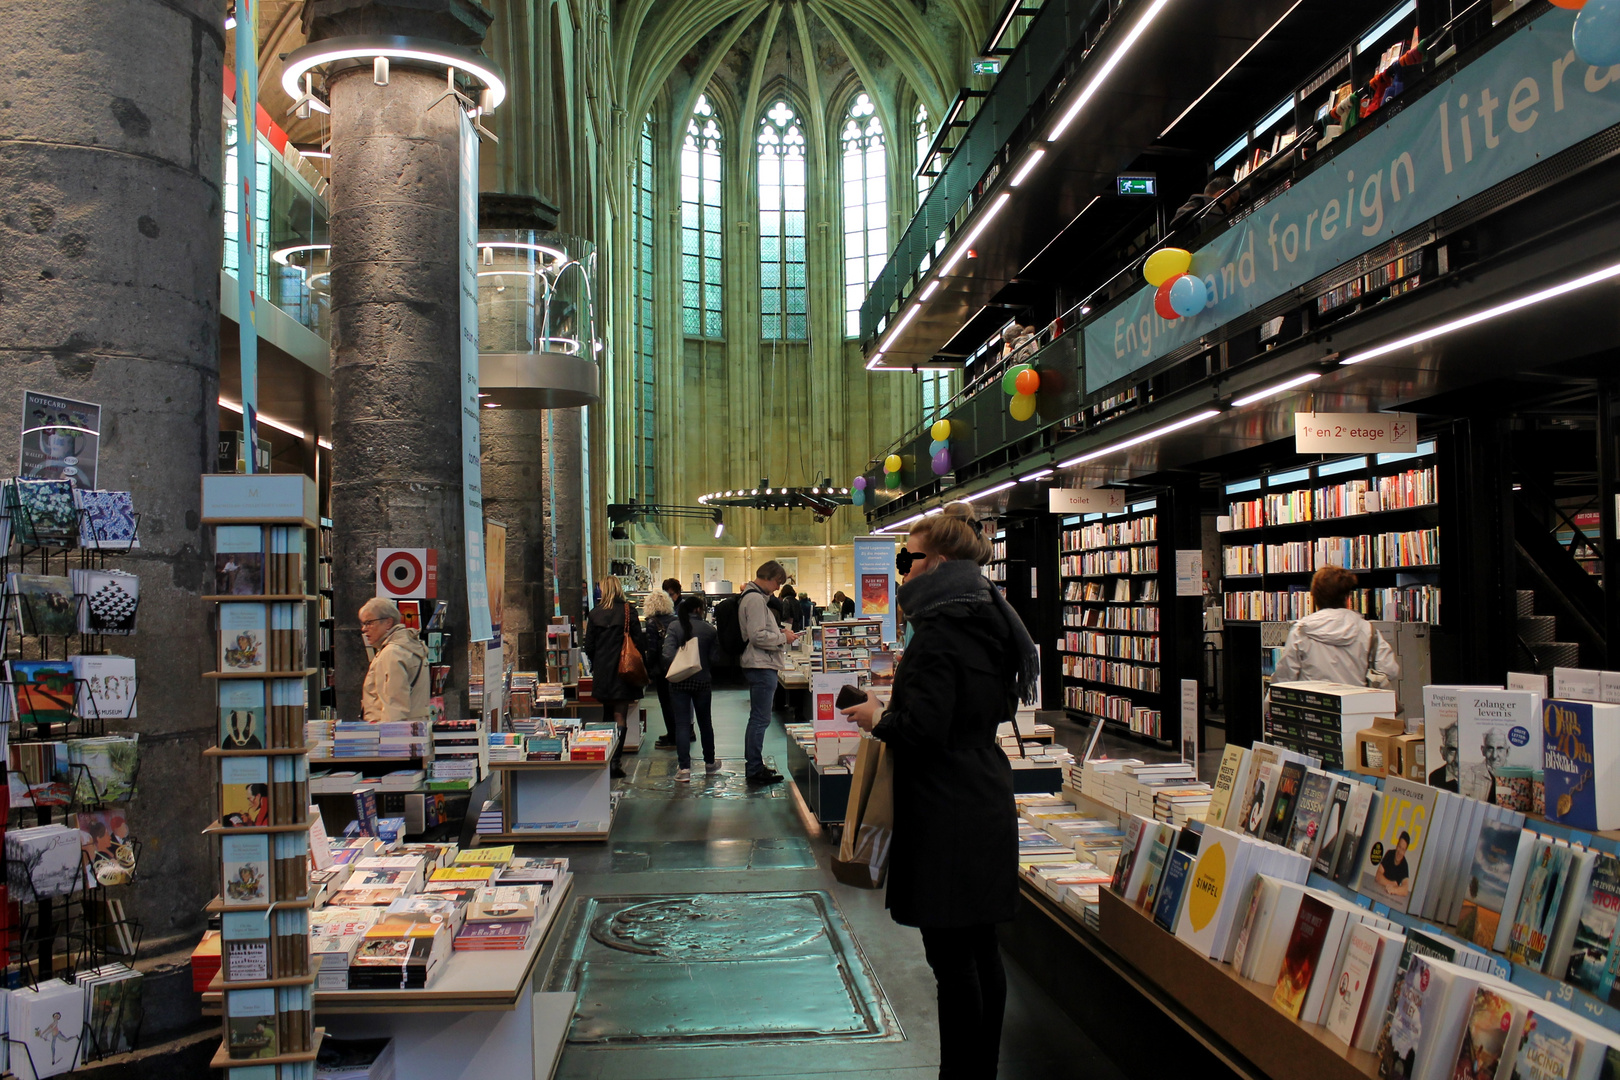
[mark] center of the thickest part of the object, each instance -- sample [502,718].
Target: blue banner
[247,261]
[1517,105]
[472,473]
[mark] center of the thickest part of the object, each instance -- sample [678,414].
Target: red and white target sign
[408,573]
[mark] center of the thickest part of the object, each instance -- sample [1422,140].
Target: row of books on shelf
[1142,530]
[259,639]
[1412,488]
[589,742]
[261,560]
[995,571]
[62,1024]
[1122,710]
[78,602]
[1112,618]
[1403,273]
[1403,603]
[400,739]
[342,781]
[998,549]
[1116,592]
[1115,673]
[56,513]
[1374,551]
[1121,646]
[1164,790]
[254,718]
[1136,560]
[460,756]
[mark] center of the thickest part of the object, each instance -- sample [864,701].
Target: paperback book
[1290,778]
[1396,851]
[106,687]
[107,600]
[1594,961]
[1487,887]
[43,690]
[1310,813]
[239,560]
[1539,904]
[243,641]
[241,714]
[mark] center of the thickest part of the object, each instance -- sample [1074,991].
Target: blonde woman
[604,644]
[657,613]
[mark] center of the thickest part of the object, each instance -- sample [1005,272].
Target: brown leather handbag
[632,669]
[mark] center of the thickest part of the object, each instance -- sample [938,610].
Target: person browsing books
[398,683]
[605,634]
[1333,643]
[953,866]
[764,655]
[695,693]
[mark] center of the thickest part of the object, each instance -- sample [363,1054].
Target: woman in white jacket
[1333,643]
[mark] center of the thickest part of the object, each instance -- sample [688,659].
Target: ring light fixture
[371,46]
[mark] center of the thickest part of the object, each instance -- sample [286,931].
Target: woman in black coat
[604,642]
[953,864]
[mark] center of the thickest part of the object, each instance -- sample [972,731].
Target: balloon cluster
[1180,294]
[1021,381]
[939,451]
[1597,30]
[857,491]
[891,471]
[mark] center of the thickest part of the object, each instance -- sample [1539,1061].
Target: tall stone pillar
[565,514]
[514,495]
[111,225]
[396,367]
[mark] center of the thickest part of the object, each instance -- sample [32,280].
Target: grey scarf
[957,582]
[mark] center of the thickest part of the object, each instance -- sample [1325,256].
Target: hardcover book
[1347,863]
[1332,831]
[1310,813]
[1547,1050]
[1581,759]
[1539,904]
[244,792]
[1302,955]
[245,946]
[1258,800]
[245,866]
[241,714]
[250,1023]
[1167,906]
[243,641]
[1289,780]
[1485,1036]
[238,560]
[1396,850]
[1487,884]
[1226,779]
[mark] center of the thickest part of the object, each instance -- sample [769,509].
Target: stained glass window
[781,225]
[924,137]
[702,239]
[866,206]
[643,317]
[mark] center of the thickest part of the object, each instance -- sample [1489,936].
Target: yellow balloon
[891,463]
[1022,407]
[941,430]
[1165,264]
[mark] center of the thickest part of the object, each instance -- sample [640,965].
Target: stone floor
[711,941]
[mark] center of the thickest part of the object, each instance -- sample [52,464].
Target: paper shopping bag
[863,854]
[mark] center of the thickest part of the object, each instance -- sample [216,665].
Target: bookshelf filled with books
[263,602]
[1114,648]
[1377,515]
[996,569]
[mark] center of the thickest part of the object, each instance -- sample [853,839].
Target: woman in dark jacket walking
[604,643]
[657,615]
[695,693]
[953,864]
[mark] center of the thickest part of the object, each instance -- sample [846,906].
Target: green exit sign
[987,67]
[1138,185]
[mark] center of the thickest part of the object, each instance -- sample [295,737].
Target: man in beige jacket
[397,683]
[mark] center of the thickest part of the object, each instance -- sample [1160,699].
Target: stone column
[565,514]
[396,362]
[111,225]
[514,495]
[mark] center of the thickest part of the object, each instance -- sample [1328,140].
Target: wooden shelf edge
[218,984]
[260,598]
[273,751]
[216,905]
[245,830]
[300,674]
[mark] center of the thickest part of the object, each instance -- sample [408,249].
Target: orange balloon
[1571,5]
[1028,381]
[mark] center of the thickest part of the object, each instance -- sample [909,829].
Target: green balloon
[891,480]
[1009,381]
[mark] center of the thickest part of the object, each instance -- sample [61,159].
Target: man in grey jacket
[765,642]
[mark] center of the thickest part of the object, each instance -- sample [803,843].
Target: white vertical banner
[472,474]
[1189,721]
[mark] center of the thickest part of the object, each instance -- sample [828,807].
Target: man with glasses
[397,682]
[766,642]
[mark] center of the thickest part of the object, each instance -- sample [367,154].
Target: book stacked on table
[500,918]
[402,780]
[400,952]
[355,739]
[1322,718]
[401,738]
[491,819]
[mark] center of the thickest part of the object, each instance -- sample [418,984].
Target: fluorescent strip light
[1108,66]
[1605,274]
[991,491]
[1146,436]
[930,289]
[1030,162]
[323,444]
[1042,474]
[905,320]
[1386,26]
[1232,151]
[935,510]
[973,234]
[236,407]
[1006,21]
[1261,395]
[1277,114]
[877,358]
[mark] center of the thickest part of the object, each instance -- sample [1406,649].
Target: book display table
[825,790]
[554,800]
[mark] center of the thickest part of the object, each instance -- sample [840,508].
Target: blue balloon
[1597,33]
[936,446]
[1188,295]
[858,497]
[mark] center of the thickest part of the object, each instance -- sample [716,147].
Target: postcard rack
[268,1016]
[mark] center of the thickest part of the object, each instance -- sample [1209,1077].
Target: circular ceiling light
[370,46]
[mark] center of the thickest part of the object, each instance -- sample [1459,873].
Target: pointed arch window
[923,137]
[643,322]
[781,225]
[702,240]
[866,205]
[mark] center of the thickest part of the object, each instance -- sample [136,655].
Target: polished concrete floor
[677,852]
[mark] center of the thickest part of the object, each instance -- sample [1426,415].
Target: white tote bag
[687,664]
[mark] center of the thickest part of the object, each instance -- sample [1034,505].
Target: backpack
[654,653]
[728,625]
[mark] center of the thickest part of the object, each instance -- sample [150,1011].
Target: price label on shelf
[1338,433]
